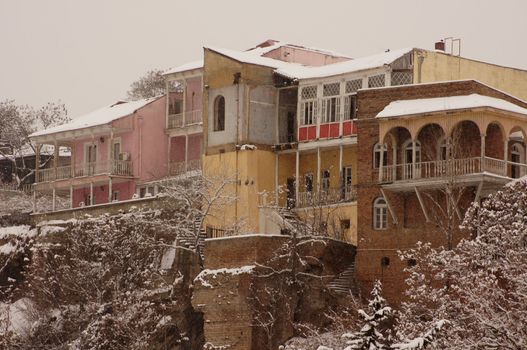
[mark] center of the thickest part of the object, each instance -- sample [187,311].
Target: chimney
[440,45]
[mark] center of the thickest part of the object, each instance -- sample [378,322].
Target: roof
[252,57]
[438,104]
[185,67]
[99,117]
[355,65]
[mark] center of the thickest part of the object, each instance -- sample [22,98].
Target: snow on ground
[16,315]
[23,231]
[207,274]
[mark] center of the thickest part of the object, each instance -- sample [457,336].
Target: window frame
[377,149]
[218,115]
[380,214]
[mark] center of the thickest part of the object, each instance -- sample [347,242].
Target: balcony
[112,167]
[179,168]
[451,170]
[183,119]
[326,197]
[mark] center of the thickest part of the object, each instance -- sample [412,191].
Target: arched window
[380,214]
[377,150]
[219,113]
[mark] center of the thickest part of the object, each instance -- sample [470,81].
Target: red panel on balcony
[329,130]
[307,133]
[324,131]
[349,128]
[334,130]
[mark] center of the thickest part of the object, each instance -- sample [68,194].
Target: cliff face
[111,282]
[257,291]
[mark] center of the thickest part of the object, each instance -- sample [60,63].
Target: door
[115,161]
[290,127]
[91,159]
[291,196]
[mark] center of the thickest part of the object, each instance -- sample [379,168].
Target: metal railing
[178,168]
[113,167]
[326,196]
[191,117]
[444,169]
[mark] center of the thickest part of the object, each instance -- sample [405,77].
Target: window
[308,110]
[517,158]
[219,113]
[353,85]
[401,78]
[115,196]
[377,151]
[411,262]
[175,106]
[345,224]
[376,81]
[147,191]
[330,109]
[325,180]
[350,107]
[443,150]
[385,261]
[347,181]
[408,152]
[308,106]
[380,214]
[308,178]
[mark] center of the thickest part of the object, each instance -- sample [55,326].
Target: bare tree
[151,84]
[16,124]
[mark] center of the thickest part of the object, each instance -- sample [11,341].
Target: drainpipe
[140,156]
[237,82]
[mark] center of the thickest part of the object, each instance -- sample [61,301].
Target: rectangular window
[330,109]
[308,110]
[115,196]
[401,78]
[325,180]
[345,224]
[347,182]
[353,85]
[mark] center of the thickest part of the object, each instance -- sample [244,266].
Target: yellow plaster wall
[251,173]
[441,67]
[332,215]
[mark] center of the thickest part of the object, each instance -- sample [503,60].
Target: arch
[517,132]
[465,139]
[494,140]
[430,136]
[398,132]
[219,113]
[495,123]
[380,214]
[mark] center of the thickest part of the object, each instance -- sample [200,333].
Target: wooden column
[55,158]
[184,102]
[381,162]
[186,152]
[297,177]
[506,155]
[414,161]
[37,162]
[318,169]
[482,151]
[54,201]
[110,189]
[341,164]
[71,196]
[276,179]
[91,193]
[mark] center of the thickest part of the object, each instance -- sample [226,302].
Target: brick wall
[372,244]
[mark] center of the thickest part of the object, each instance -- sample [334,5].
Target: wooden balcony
[179,168]
[326,197]
[112,167]
[474,169]
[183,119]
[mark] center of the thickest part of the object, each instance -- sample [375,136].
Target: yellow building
[280,130]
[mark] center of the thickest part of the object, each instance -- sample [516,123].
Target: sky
[87,53]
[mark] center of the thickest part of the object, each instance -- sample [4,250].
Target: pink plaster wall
[194,146]
[194,94]
[177,149]
[100,193]
[303,56]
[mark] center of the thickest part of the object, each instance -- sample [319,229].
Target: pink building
[116,153]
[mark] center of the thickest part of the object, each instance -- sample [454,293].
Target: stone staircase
[189,241]
[344,283]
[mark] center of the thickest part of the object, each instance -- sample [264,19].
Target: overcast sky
[86,53]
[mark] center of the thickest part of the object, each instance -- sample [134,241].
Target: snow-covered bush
[480,286]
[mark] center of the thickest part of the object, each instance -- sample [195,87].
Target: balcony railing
[112,167]
[177,120]
[178,168]
[445,169]
[326,197]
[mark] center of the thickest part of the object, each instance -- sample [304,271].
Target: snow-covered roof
[185,67]
[251,57]
[99,117]
[354,65]
[438,104]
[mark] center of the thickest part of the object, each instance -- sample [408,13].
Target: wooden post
[54,202]
[414,161]
[91,193]
[506,155]
[55,158]
[482,150]
[71,196]
[37,162]
[110,189]
[276,179]
[381,162]
[186,152]
[341,173]
[318,170]
[184,102]
[297,176]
